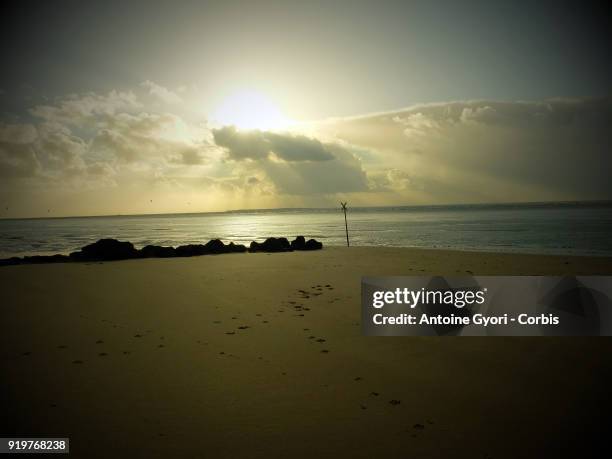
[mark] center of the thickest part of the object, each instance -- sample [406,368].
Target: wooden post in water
[343,204]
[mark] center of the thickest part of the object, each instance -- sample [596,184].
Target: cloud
[17,133]
[295,164]
[189,156]
[28,151]
[130,137]
[79,108]
[149,137]
[119,148]
[261,144]
[59,149]
[100,169]
[342,174]
[18,160]
[477,151]
[162,93]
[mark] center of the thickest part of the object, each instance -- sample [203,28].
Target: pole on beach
[343,204]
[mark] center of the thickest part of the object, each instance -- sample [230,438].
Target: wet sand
[261,355]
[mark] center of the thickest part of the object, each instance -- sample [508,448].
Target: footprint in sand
[77,362]
[395,402]
[325,351]
[311,337]
[102,354]
[264,321]
[126,352]
[99,341]
[358,378]
[418,427]
[230,333]
[363,407]
[137,335]
[160,345]
[26,353]
[243,327]
[375,394]
[62,346]
[306,329]
[216,322]
[321,340]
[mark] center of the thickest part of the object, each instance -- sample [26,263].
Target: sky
[156,107]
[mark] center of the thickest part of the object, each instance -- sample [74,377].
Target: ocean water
[555,228]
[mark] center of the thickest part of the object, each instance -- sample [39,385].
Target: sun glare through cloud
[249,110]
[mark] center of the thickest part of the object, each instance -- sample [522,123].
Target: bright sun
[249,110]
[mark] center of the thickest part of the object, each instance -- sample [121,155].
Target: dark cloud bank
[295,164]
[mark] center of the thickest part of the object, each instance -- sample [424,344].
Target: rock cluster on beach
[112,249]
[281,244]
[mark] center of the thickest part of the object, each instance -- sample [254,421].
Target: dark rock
[215,246]
[112,249]
[272,244]
[11,261]
[36,259]
[156,251]
[106,249]
[299,243]
[190,250]
[313,244]
[236,248]
[47,259]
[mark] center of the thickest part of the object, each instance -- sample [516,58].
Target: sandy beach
[223,356]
